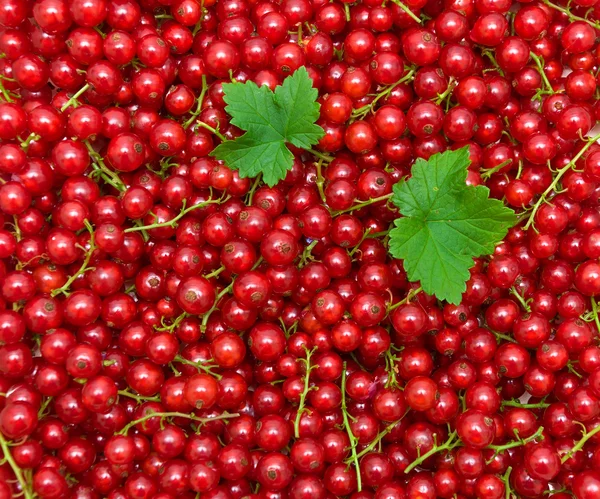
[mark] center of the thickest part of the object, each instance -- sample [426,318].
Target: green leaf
[445,224]
[271,120]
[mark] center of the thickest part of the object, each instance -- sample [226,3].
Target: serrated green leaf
[445,224]
[271,120]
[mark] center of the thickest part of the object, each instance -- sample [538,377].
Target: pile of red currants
[172,330]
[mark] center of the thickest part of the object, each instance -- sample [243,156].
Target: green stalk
[163,415]
[408,11]
[353,439]
[25,484]
[572,17]
[579,445]
[74,100]
[64,289]
[197,365]
[200,100]
[201,124]
[139,398]
[447,445]
[171,223]
[362,204]
[559,175]
[307,388]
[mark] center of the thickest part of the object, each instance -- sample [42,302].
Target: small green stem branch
[174,220]
[500,336]
[506,481]
[215,272]
[164,415]
[521,299]
[572,17]
[380,436]
[31,138]
[557,178]
[595,314]
[516,403]
[199,103]
[64,289]
[25,485]
[252,190]
[579,445]
[140,398]
[364,110]
[539,62]
[6,94]
[216,132]
[446,93]
[207,315]
[307,388]
[408,11]
[74,100]
[485,174]
[449,444]
[353,439]
[320,181]
[515,443]
[411,294]
[362,204]
[307,254]
[318,154]
[197,365]
[106,173]
[488,53]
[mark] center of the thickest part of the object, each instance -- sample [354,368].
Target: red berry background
[170,329]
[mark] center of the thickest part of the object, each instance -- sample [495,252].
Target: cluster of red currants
[170,329]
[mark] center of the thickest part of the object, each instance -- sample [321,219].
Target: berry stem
[307,388]
[163,415]
[353,439]
[516,403]
[307,254]
[516,443]
[595,312]
[6,94]
[200,100]
[174,220]
[409,296]
[197,365]
[252,190]
[207,315]
[25,485]
[572,17]
[490,171]
[539,62]
[506,481]
[201,124]
[408,11]
[74,100]
[30,138]
[139,398]
[447,445]
[364,110]
[521,299]
[488,53]
[320,180]
[362,204]
[325,157]
[579,445]
[64,289]
[559,175]
[380,436]
[106,173]
[215,272]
